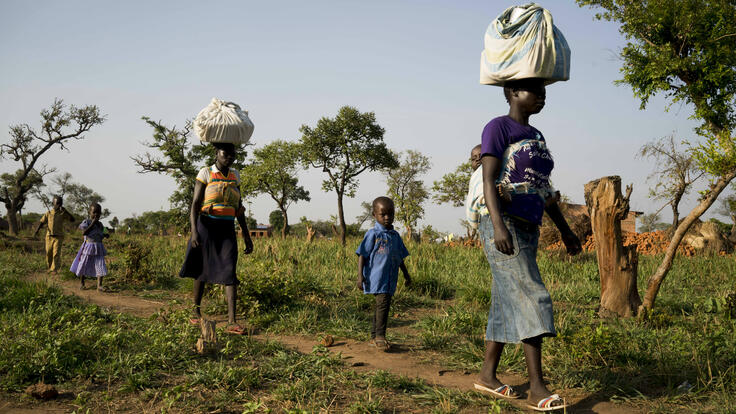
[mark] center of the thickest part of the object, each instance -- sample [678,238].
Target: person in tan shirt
[54,221]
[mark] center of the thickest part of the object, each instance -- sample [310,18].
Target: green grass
[289,286]
[106,359]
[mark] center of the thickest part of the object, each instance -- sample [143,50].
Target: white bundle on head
[223,122]
[523,42]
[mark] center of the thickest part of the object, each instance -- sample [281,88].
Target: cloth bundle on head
[223,122]
[522,42]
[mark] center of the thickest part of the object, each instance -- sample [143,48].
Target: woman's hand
[502,239]
[572,243]
[360,282]
[194,240]
[248,243]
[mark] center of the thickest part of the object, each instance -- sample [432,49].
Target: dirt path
[360,356]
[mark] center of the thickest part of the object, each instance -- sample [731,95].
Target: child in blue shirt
[380,256]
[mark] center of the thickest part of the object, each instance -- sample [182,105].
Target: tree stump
[310,233]
[207,342]
[617,264]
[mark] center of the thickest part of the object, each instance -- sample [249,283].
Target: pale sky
[414,63]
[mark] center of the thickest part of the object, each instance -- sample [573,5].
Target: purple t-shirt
[524,158]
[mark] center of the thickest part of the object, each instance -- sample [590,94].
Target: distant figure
[54,220]
[380,256]
[474,202]
[90,260]
[516,170]
[212,252]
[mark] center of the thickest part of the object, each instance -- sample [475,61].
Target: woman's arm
[240,215]
[491,170]
[194,213]
[572,243]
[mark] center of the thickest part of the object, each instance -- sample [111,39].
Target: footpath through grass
[121,363]
[292,287]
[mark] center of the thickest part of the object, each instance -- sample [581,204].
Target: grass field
[289,286]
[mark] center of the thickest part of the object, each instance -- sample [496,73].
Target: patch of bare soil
[361,356]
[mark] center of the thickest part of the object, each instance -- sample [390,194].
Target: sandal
[545,404]
[103,289]
[381,344]
[504,391]
[235,330]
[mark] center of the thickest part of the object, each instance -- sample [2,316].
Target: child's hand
[572,243]
[407,281]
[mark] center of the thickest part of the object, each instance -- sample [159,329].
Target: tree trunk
[12,220]
[655,281]
[675,211]
[617,264]
[285,229]
[341,218]
[409,233]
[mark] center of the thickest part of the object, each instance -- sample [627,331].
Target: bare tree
[59,124]
[674,173]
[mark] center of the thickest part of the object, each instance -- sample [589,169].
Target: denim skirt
[521,306]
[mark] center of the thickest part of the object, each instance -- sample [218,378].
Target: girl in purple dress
[90,260]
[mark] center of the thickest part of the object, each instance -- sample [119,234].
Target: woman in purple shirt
[517,191]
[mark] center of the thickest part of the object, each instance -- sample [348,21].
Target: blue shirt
[384,252]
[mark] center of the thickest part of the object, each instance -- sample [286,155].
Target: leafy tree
[453,187]
[683,49]
[344,147]
[407,189]
[728,209]
[276,220]
[59,124]
[274,172]
[180,160]
[114,223]
[365,215]
[151,222]
[77,197]
[674,173]
[650,222]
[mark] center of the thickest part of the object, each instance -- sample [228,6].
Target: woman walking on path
[516,169]
[212,252]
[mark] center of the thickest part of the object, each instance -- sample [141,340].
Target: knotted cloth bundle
[223,122]
[522,42]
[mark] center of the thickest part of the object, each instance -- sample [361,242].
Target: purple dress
[90,260]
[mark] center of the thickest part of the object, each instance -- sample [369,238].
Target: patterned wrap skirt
[90,260]
[216,257]
[521,307]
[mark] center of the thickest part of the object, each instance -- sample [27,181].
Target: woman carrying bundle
[212,251]
[516,192]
